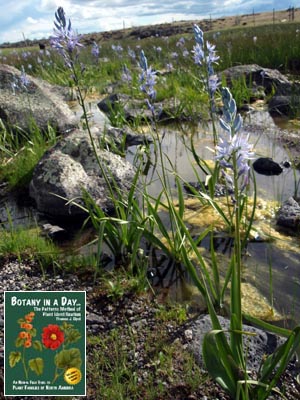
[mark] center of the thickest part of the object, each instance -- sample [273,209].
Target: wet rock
[284,105]
[127,136]
[133,109]
[55,232]
[289,214]
[258,346]
[286,98]
[257,75]
[70,168]
[266,166]
[124,105]
[38,102]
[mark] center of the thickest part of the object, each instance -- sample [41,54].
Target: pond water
[271,268]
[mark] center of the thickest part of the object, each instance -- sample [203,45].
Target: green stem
[24,364]
[236,303]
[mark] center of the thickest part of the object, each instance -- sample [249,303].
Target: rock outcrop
[256,75]
[70,168]
[26,101]
[285,93]
[289,215]
[261,343]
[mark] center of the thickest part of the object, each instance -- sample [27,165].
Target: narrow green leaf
[217,365]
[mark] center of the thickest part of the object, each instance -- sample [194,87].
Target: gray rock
[117,135]
[284,104]
[286,97]
[128,107]
[132,109]
[71,167]
[255,74]
[55,232]
[38,101]
[257,346]
[289,214]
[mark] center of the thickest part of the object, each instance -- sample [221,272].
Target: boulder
[124,105]
[286,94]
[257,75]
[285,104]
[71,167]
[132,109]
[125,136]
[37,101]
[259,345]
[289,215]
[266,166]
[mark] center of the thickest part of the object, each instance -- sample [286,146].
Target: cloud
[31,20]
[35,17]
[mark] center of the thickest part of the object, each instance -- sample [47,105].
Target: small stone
[188,334]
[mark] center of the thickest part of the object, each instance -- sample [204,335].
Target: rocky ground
[155,331]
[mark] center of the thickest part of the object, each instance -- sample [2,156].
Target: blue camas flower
[233,150]
[205,55]
[65,39]
[147,80]
[95,50]
[23,78]
[126,75]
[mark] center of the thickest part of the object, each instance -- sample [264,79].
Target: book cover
[44,343]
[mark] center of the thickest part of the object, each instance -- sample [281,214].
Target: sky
[33,19]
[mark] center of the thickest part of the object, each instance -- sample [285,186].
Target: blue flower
[95,50]
[147,78]
[198,54]
[126,76]
[65,39]
[118,49]
[212,55]
[198,35]
[131,53]
[205,55]
[148,81]
[233,150]
[23,78]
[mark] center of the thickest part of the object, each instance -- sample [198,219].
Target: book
[44,343]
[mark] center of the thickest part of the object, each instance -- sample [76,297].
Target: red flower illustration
[52,336]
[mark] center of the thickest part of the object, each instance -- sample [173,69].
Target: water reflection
[270,266]
[177,142]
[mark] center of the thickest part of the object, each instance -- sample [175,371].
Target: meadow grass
[118,375]
[27,243]
[20,151]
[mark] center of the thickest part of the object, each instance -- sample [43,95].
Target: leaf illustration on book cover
[37,345]
[73,335]
[68,358]
[36,365]
[14,358]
